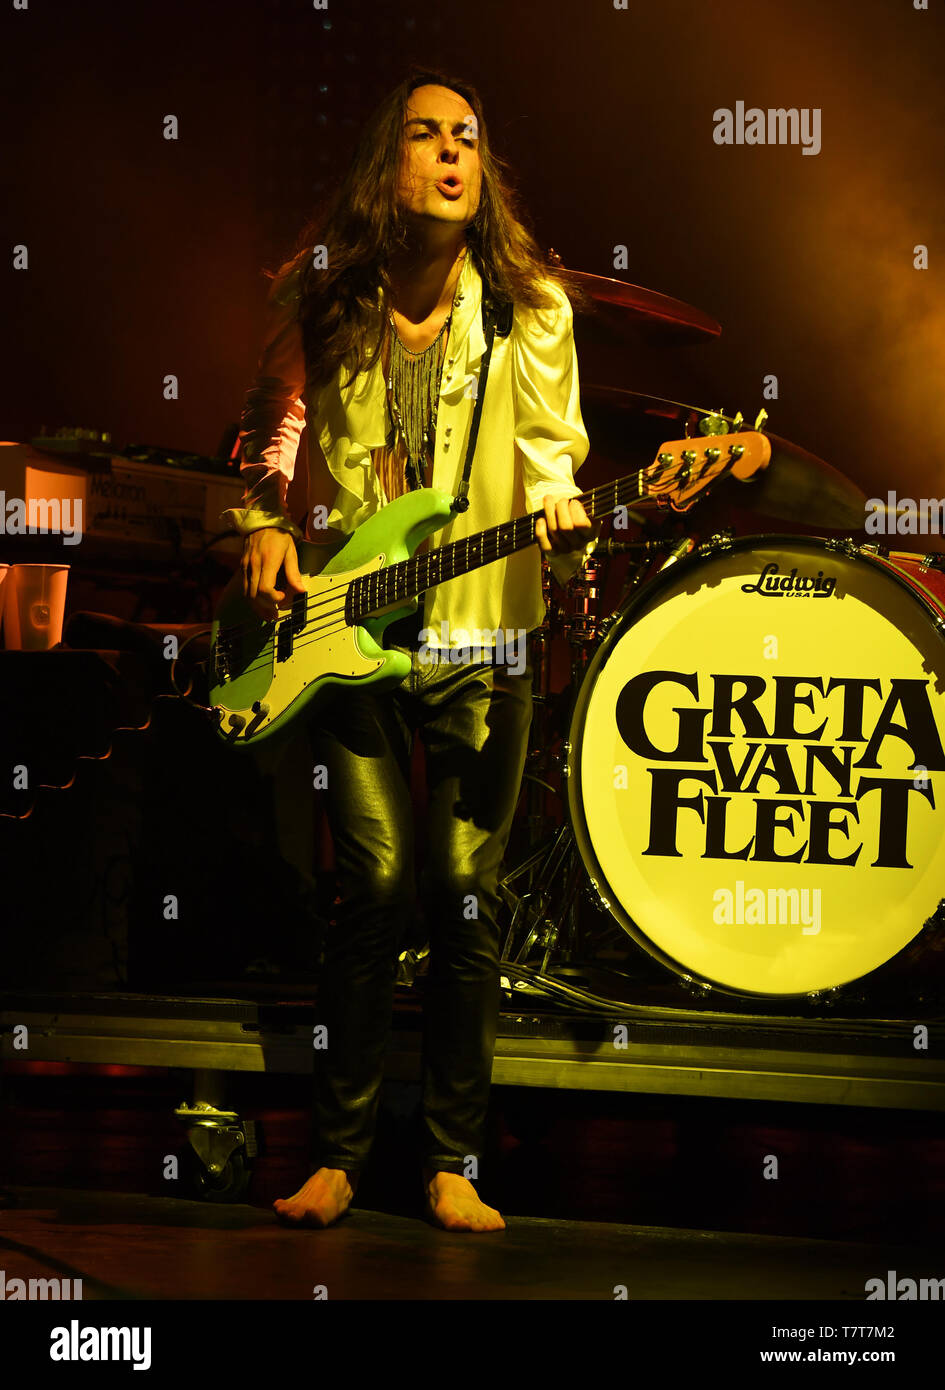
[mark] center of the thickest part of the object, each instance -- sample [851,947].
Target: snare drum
[756,763]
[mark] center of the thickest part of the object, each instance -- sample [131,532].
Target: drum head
[756,777]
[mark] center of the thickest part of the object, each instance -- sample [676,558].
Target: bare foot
[323,1199]
[454,1204]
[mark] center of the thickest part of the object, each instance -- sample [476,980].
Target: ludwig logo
[772,584]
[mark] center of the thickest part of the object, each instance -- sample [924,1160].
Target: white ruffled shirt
[531,442]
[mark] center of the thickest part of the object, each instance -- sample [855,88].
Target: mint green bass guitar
[264,673]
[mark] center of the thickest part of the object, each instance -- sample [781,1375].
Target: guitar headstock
[684,468]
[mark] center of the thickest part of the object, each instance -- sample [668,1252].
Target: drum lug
[845,544]
[698,988]
[935,561]
[874,548]
[595,896]
[937,919]
[721,540]
[826,997]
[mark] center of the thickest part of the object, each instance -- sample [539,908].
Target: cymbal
[795,486]
[658,314]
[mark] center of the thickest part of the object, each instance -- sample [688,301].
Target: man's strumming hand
[265,552]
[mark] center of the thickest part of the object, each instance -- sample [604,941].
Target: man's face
[440,170]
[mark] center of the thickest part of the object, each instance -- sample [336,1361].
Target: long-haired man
[375,341]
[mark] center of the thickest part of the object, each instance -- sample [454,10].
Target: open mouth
[450,186]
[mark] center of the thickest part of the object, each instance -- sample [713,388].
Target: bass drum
[756,764]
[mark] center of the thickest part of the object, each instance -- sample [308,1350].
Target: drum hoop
[628,611]
[928,599]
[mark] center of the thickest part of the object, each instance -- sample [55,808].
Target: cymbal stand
[544,910]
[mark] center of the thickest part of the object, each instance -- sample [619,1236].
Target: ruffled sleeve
[273,415]
[549,429]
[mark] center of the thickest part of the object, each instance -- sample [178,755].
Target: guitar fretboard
[409,578]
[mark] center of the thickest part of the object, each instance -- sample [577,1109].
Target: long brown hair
[363,225]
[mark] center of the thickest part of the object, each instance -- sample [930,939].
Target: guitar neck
[409,578]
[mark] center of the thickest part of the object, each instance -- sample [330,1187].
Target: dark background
[146,254]
[145,259]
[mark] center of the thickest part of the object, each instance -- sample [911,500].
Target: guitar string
[306,633]
[304,636]
[645,489]
[226,637]
[431,557]
[328,626]
[383,586]
[591,497]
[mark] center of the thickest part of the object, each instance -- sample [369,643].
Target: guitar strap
[496,318]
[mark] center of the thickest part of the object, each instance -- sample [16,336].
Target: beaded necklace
[413,387]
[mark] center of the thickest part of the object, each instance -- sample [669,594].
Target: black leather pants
[473,719]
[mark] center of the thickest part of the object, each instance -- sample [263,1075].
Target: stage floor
[129,1246]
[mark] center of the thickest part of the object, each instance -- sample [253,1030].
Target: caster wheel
[231,1184]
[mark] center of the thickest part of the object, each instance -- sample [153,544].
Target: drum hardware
[608,622]
[699,989]
[873,889]
[611,547]
[530,921]
[634,580]
[685,547]
[595,897]
[586,588]
[564,871]
[718,542]
[552,856]
[937,920]
[824,998]
[846,545]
